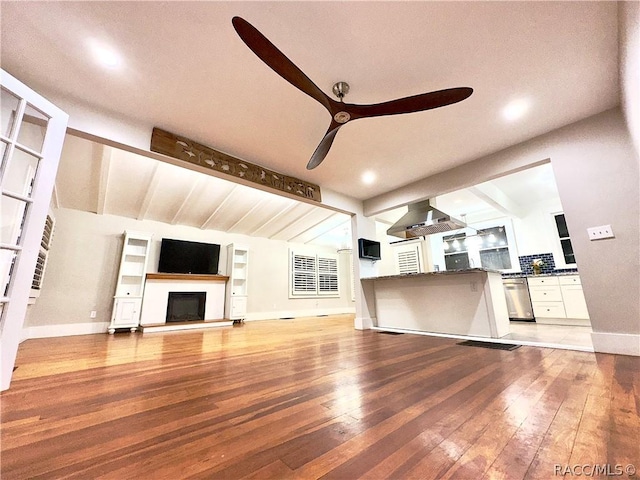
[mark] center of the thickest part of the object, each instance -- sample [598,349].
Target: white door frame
[14,304]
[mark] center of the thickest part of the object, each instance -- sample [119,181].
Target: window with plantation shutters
[327,276]
[303,275]
[41,263]
[409,259]
[313,275]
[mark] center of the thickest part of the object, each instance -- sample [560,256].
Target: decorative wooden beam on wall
[187,150]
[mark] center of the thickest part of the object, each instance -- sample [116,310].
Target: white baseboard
[365,323]
[274,315]
[617,343]
[173,327]
[65,330]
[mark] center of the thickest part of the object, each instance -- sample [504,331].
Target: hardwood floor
[312,398]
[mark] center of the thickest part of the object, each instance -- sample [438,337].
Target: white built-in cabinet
[235,305]
[558,297]
[127,301]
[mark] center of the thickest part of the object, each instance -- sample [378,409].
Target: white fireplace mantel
[158,285]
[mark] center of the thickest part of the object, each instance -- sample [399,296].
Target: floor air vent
[392,333]
[495,346]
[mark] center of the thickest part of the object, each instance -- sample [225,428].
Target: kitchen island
[467,302]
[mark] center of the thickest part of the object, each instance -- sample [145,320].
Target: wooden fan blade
[416,103]
[323,148]
[277,61]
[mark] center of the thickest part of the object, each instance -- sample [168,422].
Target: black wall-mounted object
[369,249]
[181,256]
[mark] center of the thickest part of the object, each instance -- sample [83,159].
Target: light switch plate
[598,233]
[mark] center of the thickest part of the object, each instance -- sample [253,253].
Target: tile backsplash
[526,260]
[549,266]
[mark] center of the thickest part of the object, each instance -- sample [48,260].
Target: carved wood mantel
[182,148]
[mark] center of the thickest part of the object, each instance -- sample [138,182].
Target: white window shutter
[304,275]
[408,259]
[314,275]
[45,245]
[327,275]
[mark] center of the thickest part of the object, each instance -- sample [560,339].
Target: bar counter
[461,302]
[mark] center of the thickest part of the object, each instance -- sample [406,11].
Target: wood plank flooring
[312,398]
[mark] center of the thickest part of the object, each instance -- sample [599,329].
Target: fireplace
[186,306]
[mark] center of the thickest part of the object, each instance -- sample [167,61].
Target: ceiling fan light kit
[340,112]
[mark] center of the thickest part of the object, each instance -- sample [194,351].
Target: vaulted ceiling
[96,178]
[180,66]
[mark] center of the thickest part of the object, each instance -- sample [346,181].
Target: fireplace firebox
[186,306]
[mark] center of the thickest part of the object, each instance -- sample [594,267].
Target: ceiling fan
[341,112]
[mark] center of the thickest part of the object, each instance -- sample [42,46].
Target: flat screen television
[368,249]
[181,256]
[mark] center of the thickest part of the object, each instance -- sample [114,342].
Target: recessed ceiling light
[104,55]
[368,177]
[515,109]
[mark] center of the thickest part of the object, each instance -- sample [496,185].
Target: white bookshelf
[237,292]
[127,301]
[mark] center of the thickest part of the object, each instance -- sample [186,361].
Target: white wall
[629,28]
[596,170]
[85,255]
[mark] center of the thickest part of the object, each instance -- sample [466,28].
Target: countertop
[443,272]
[530,275]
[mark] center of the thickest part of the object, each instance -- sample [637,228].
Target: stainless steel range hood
[421,220]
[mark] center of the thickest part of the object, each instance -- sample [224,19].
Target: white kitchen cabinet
[558,297]
[236,296]
[573,297]
[127,301]
[546,297]
[549,310]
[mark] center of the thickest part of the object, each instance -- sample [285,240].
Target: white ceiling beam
[151,190]
[295,220]
[103,154]
[278,215]
[257,206]
[330,227]
[186,201]
[496,198]
[215,212]
[315,225]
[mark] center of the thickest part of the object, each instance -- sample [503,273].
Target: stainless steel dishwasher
[516,291]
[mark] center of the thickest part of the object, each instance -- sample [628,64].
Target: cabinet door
[545,294]
[542,281]
[549,310]
[238,307]
[127,312]
[574,302]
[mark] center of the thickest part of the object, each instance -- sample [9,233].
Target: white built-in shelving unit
[127,302]
[237,270]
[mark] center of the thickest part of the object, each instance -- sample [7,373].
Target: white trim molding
[312,312]
[65,330]
[617,343]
